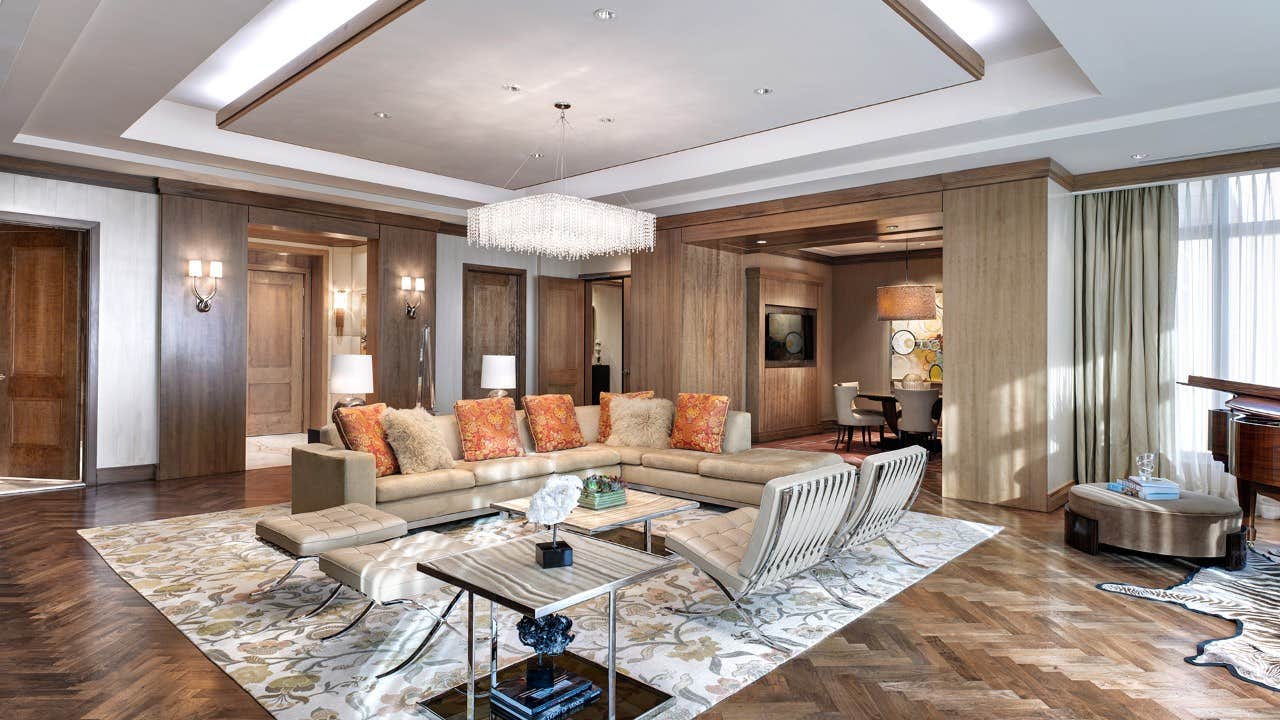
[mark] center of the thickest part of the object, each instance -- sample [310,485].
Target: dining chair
[849,416]
[917,411]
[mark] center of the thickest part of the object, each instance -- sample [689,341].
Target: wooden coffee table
[507,574]
[641,507]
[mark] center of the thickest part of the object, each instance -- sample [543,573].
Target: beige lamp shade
[906,302]
[351,374]
[498,372]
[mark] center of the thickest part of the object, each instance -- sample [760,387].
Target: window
[1228,298]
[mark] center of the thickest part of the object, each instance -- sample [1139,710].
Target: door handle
[3,376]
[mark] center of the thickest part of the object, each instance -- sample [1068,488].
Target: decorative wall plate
[903,342]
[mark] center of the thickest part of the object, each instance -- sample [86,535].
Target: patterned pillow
[552,422]
[699,422]
[606,416]
[488,428]
[361,430]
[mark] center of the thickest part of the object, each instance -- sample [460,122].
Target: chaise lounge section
[325,474]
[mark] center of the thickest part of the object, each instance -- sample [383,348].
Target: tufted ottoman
[1193,526]
[306,535]
[387,574]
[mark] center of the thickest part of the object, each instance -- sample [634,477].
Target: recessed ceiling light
[764,91]
[1140,156]
[605,14]
[606,120]
[762,242]
[891,227]
[536,156]
[382,115]
[511,88]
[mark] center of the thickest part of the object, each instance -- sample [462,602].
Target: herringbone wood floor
[1013,629]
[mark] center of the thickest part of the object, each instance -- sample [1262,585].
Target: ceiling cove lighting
[558,225]
[280,33]
[972,20]
[906,301]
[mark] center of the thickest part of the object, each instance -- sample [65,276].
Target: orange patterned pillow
[361,430]
[488,428]
[606,420]
[699,422]
[552,422]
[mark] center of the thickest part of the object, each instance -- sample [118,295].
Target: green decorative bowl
[600,501]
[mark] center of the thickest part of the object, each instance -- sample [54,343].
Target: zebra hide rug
[1250,597]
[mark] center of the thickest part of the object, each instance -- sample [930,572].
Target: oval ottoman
[1194,526]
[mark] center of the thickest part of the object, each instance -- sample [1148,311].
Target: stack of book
[1147,488]
[514,699]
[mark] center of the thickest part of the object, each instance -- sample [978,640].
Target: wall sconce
[340,307]
[195,271]
[412,287]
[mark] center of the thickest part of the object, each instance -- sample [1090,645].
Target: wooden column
[398,252]
[202,355]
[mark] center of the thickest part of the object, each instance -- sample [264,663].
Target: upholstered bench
[1193,526]
[306,535]
[387,574]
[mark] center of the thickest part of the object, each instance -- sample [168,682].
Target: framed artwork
[915,346]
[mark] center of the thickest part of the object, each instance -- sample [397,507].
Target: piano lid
[1249,399]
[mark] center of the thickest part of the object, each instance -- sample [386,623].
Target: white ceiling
[670,75]
[1165,77]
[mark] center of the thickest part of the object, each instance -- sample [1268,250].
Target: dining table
[889,407]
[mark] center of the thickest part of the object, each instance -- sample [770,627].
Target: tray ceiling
[668,75]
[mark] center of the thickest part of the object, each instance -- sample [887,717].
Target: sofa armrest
[325,477]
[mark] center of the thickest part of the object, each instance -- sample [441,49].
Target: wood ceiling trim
[371,20]
[72,173]
[928,24]
[920,204]
[1229,163]
[1008,172]
[897,256]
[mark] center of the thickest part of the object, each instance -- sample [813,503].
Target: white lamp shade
[420,284]
[498,372]
[351,374]
[215,269]
[195,268]
[406,282]
[340,299]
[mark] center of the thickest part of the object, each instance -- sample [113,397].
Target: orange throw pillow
[606,420]
[552,422]
[488,428]
[361,430]
[699,422]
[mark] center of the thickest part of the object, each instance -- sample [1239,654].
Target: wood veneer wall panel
[783,401]
[712,338]
[656,321]
[401,251]
[996,403]
[202,355]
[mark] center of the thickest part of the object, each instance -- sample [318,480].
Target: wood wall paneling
[656,320]
[783,401]
[995,411]
[493,323]
[400,251]
[202,355]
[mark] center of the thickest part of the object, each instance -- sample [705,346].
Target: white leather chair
[888,484]
[849,416]
[790,534]
[917,411]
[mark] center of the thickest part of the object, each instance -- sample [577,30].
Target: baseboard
[1058,498]
[126,473]
[772,435]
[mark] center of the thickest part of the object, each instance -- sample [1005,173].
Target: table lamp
[498,374]
[352,376]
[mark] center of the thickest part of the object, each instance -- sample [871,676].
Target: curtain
[1227,298]
[1125,277]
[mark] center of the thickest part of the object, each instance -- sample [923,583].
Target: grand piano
[1245,436]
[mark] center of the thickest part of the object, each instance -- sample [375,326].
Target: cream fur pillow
[415,440]
[640,422]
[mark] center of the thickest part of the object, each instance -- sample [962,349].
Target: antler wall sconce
[413,289]
[340,307]
[195,271]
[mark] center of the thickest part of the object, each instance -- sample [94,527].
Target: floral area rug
[1250,597]
[199,571]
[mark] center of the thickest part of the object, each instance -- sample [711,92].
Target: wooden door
[493,317]
[277,362]
[40,352]
[626,323]
[561,335]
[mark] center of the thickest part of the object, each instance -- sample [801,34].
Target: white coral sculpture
[553,503]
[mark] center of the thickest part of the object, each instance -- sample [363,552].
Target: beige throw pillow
[640,423]
[416,441]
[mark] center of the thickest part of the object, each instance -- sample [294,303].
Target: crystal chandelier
[560,226]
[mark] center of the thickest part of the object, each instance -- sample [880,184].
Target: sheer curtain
[1227,307]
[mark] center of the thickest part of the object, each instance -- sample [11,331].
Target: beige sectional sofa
[326,475]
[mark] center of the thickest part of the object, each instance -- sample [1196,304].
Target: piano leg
[1248,505]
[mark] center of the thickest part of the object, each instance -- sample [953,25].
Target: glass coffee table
[507,574]
[641,507]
